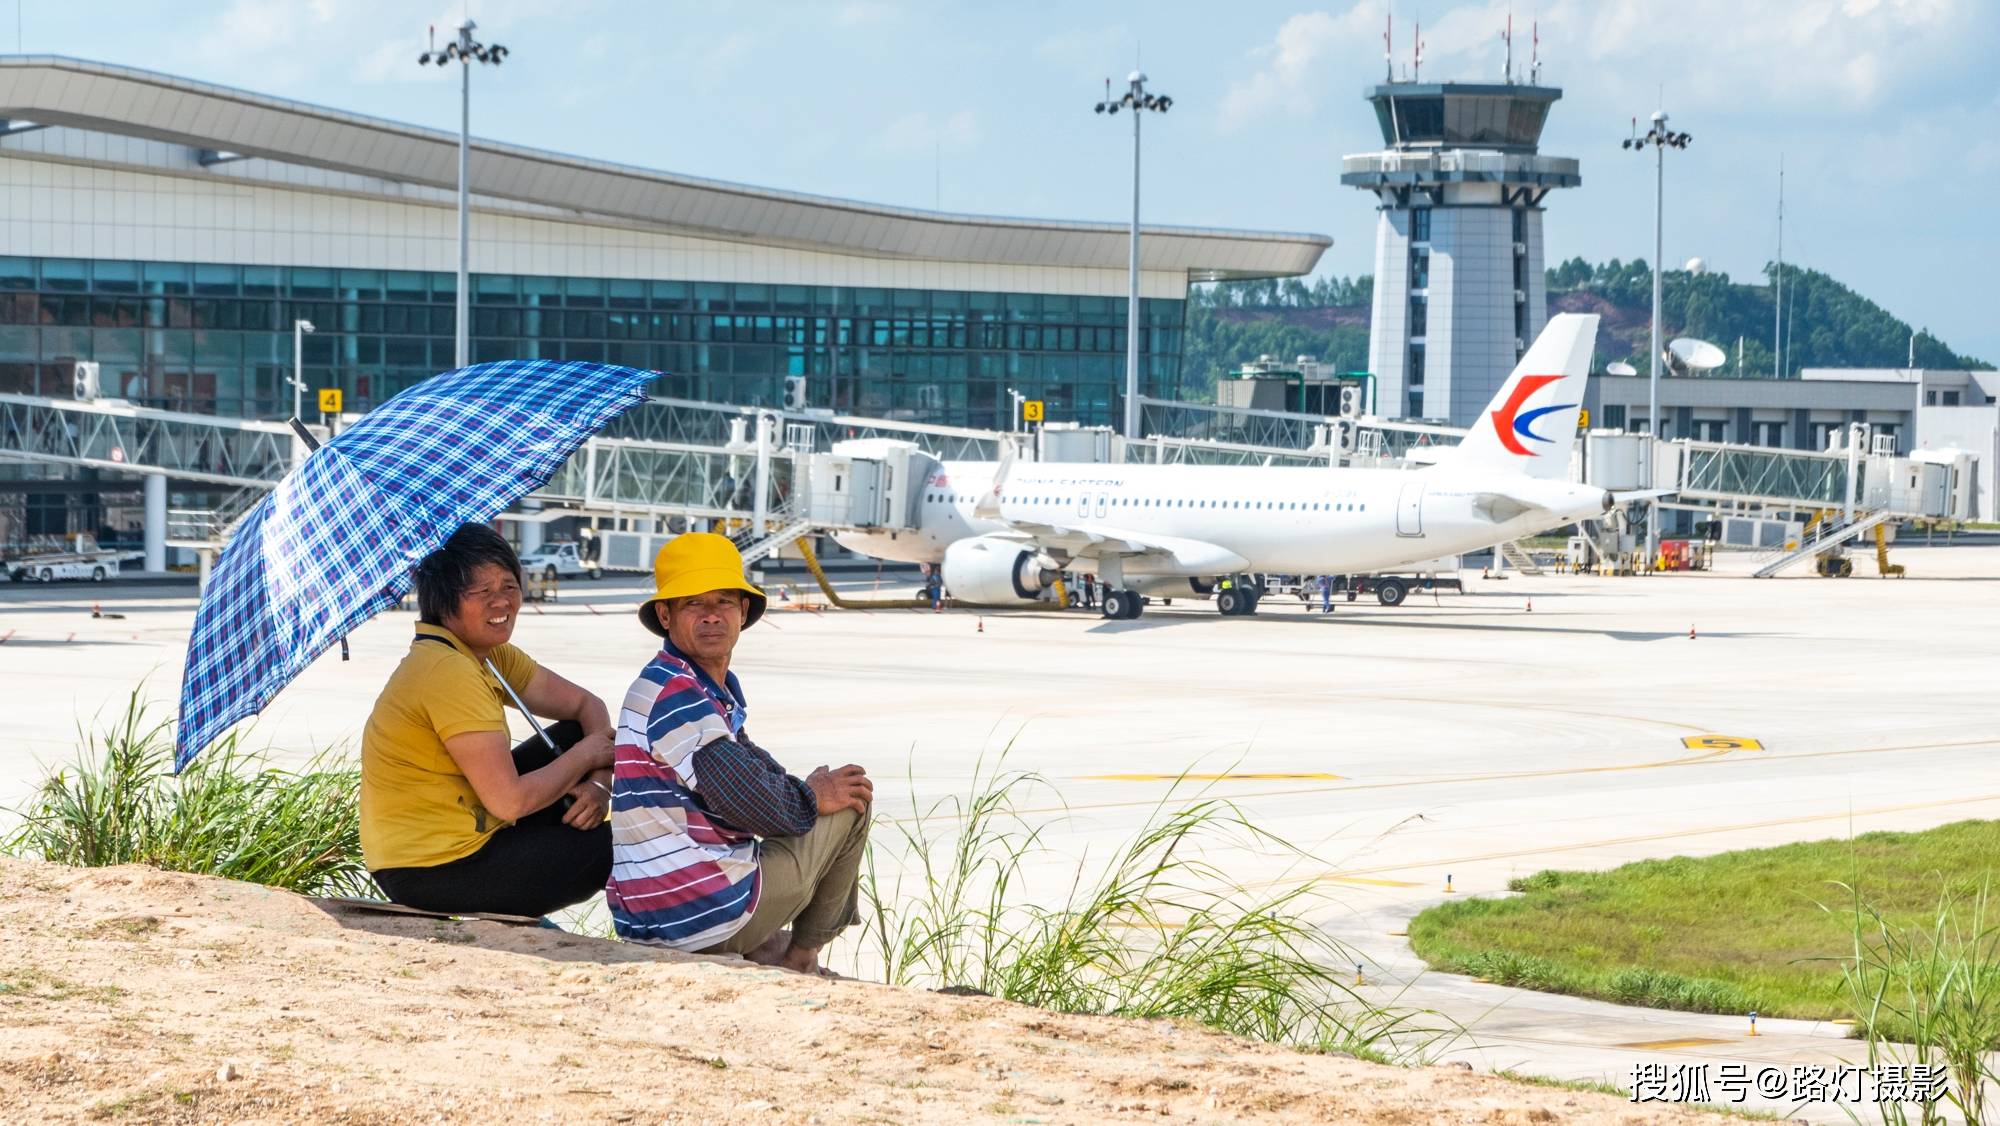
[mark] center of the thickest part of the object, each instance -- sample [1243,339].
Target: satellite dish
[1694,356]
[1696,266]
[1620,367]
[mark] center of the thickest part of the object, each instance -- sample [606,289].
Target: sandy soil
[129,994]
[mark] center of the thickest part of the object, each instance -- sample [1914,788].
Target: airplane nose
[1610,502]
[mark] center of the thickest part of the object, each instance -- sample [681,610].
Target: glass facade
[218,339]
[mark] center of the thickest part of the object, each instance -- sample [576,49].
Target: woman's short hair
[442,577]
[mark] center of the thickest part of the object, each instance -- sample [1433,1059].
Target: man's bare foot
[800,959]
[774,949]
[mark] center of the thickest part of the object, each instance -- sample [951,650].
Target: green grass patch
[1772,930]
[229,814]
[1156,928]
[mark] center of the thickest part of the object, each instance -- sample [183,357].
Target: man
[715,848]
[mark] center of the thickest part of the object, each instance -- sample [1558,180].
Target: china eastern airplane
[1002,531]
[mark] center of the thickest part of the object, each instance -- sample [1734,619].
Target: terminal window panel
[218,338]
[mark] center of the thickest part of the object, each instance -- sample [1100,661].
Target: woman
[451,819]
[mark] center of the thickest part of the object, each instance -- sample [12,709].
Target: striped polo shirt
[678,877]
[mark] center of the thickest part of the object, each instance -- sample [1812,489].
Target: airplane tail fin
[1530,426]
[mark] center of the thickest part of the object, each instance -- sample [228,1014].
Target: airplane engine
[995,571]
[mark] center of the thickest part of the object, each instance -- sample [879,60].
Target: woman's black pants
[532,867]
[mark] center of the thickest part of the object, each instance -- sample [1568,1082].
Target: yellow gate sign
[1583,419]
[1031,410]
[329,400]
[1720,743]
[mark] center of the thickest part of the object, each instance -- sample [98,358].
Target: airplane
[1003,531]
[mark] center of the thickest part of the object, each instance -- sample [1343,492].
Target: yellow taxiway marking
[1720,743]
[1374,882]
[1664,1045]
[1209,778]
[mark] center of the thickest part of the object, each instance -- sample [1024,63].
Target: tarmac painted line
[1375,882]
[1503,776]
[1669,1045]
[1209,777]
[1611,842]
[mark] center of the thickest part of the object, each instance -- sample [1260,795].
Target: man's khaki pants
[810,883]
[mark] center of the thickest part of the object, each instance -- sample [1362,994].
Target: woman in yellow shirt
[451,819]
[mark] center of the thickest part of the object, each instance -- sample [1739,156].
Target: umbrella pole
[516,697]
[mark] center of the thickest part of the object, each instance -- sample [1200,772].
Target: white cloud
[1294,62]
[1806,55]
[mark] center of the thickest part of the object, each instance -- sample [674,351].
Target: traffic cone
[96,610]
[1691,636]
[1531,605]
[982,626]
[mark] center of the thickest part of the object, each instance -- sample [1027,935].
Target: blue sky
[1883,109]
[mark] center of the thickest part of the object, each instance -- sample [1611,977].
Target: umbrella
[334,543]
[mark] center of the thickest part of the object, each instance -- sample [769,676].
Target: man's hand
[593,801]
[846,788]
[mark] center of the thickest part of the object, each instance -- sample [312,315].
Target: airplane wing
[1194,557]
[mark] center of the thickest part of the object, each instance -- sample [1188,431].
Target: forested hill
[1829,325]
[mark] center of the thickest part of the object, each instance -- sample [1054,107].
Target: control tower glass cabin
[1459,290]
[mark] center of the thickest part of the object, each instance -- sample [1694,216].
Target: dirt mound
[128,994]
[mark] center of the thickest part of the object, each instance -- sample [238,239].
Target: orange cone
[1531,605]
[982,626]
[96,610]
[1691,636]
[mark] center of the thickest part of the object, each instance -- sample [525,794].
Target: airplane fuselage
[1286,520]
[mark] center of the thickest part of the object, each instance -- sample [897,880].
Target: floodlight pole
[1659,137]
[1132,280]
[1653,391]
[1135,99]
[299,330]
[465,50]
[461,343]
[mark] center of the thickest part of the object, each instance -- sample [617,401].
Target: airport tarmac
[1460,735]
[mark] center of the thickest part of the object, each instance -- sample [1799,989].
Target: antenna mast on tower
[1389,48]
[1507,37]
[1778,284]
[1535,64]
[1417,51]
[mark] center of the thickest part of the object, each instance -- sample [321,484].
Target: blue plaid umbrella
[333,545]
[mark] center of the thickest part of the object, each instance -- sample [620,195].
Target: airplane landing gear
[1236,601]
[1122,605]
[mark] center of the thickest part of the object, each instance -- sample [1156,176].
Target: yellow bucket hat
[695,563]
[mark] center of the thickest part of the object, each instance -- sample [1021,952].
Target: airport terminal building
[172,231]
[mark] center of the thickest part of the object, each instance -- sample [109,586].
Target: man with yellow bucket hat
[715,848]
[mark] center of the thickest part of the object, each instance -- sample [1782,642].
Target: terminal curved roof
[54,90]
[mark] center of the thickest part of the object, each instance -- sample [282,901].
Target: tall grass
[1156,931]
[229,814]
[1928,992]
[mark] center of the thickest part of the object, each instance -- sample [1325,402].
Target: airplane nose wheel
[1122,605]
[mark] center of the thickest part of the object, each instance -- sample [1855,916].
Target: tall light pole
[1660,138]
[299,330]
[465,51]
[1134,99]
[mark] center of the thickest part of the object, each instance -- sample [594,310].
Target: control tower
[1459,290]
